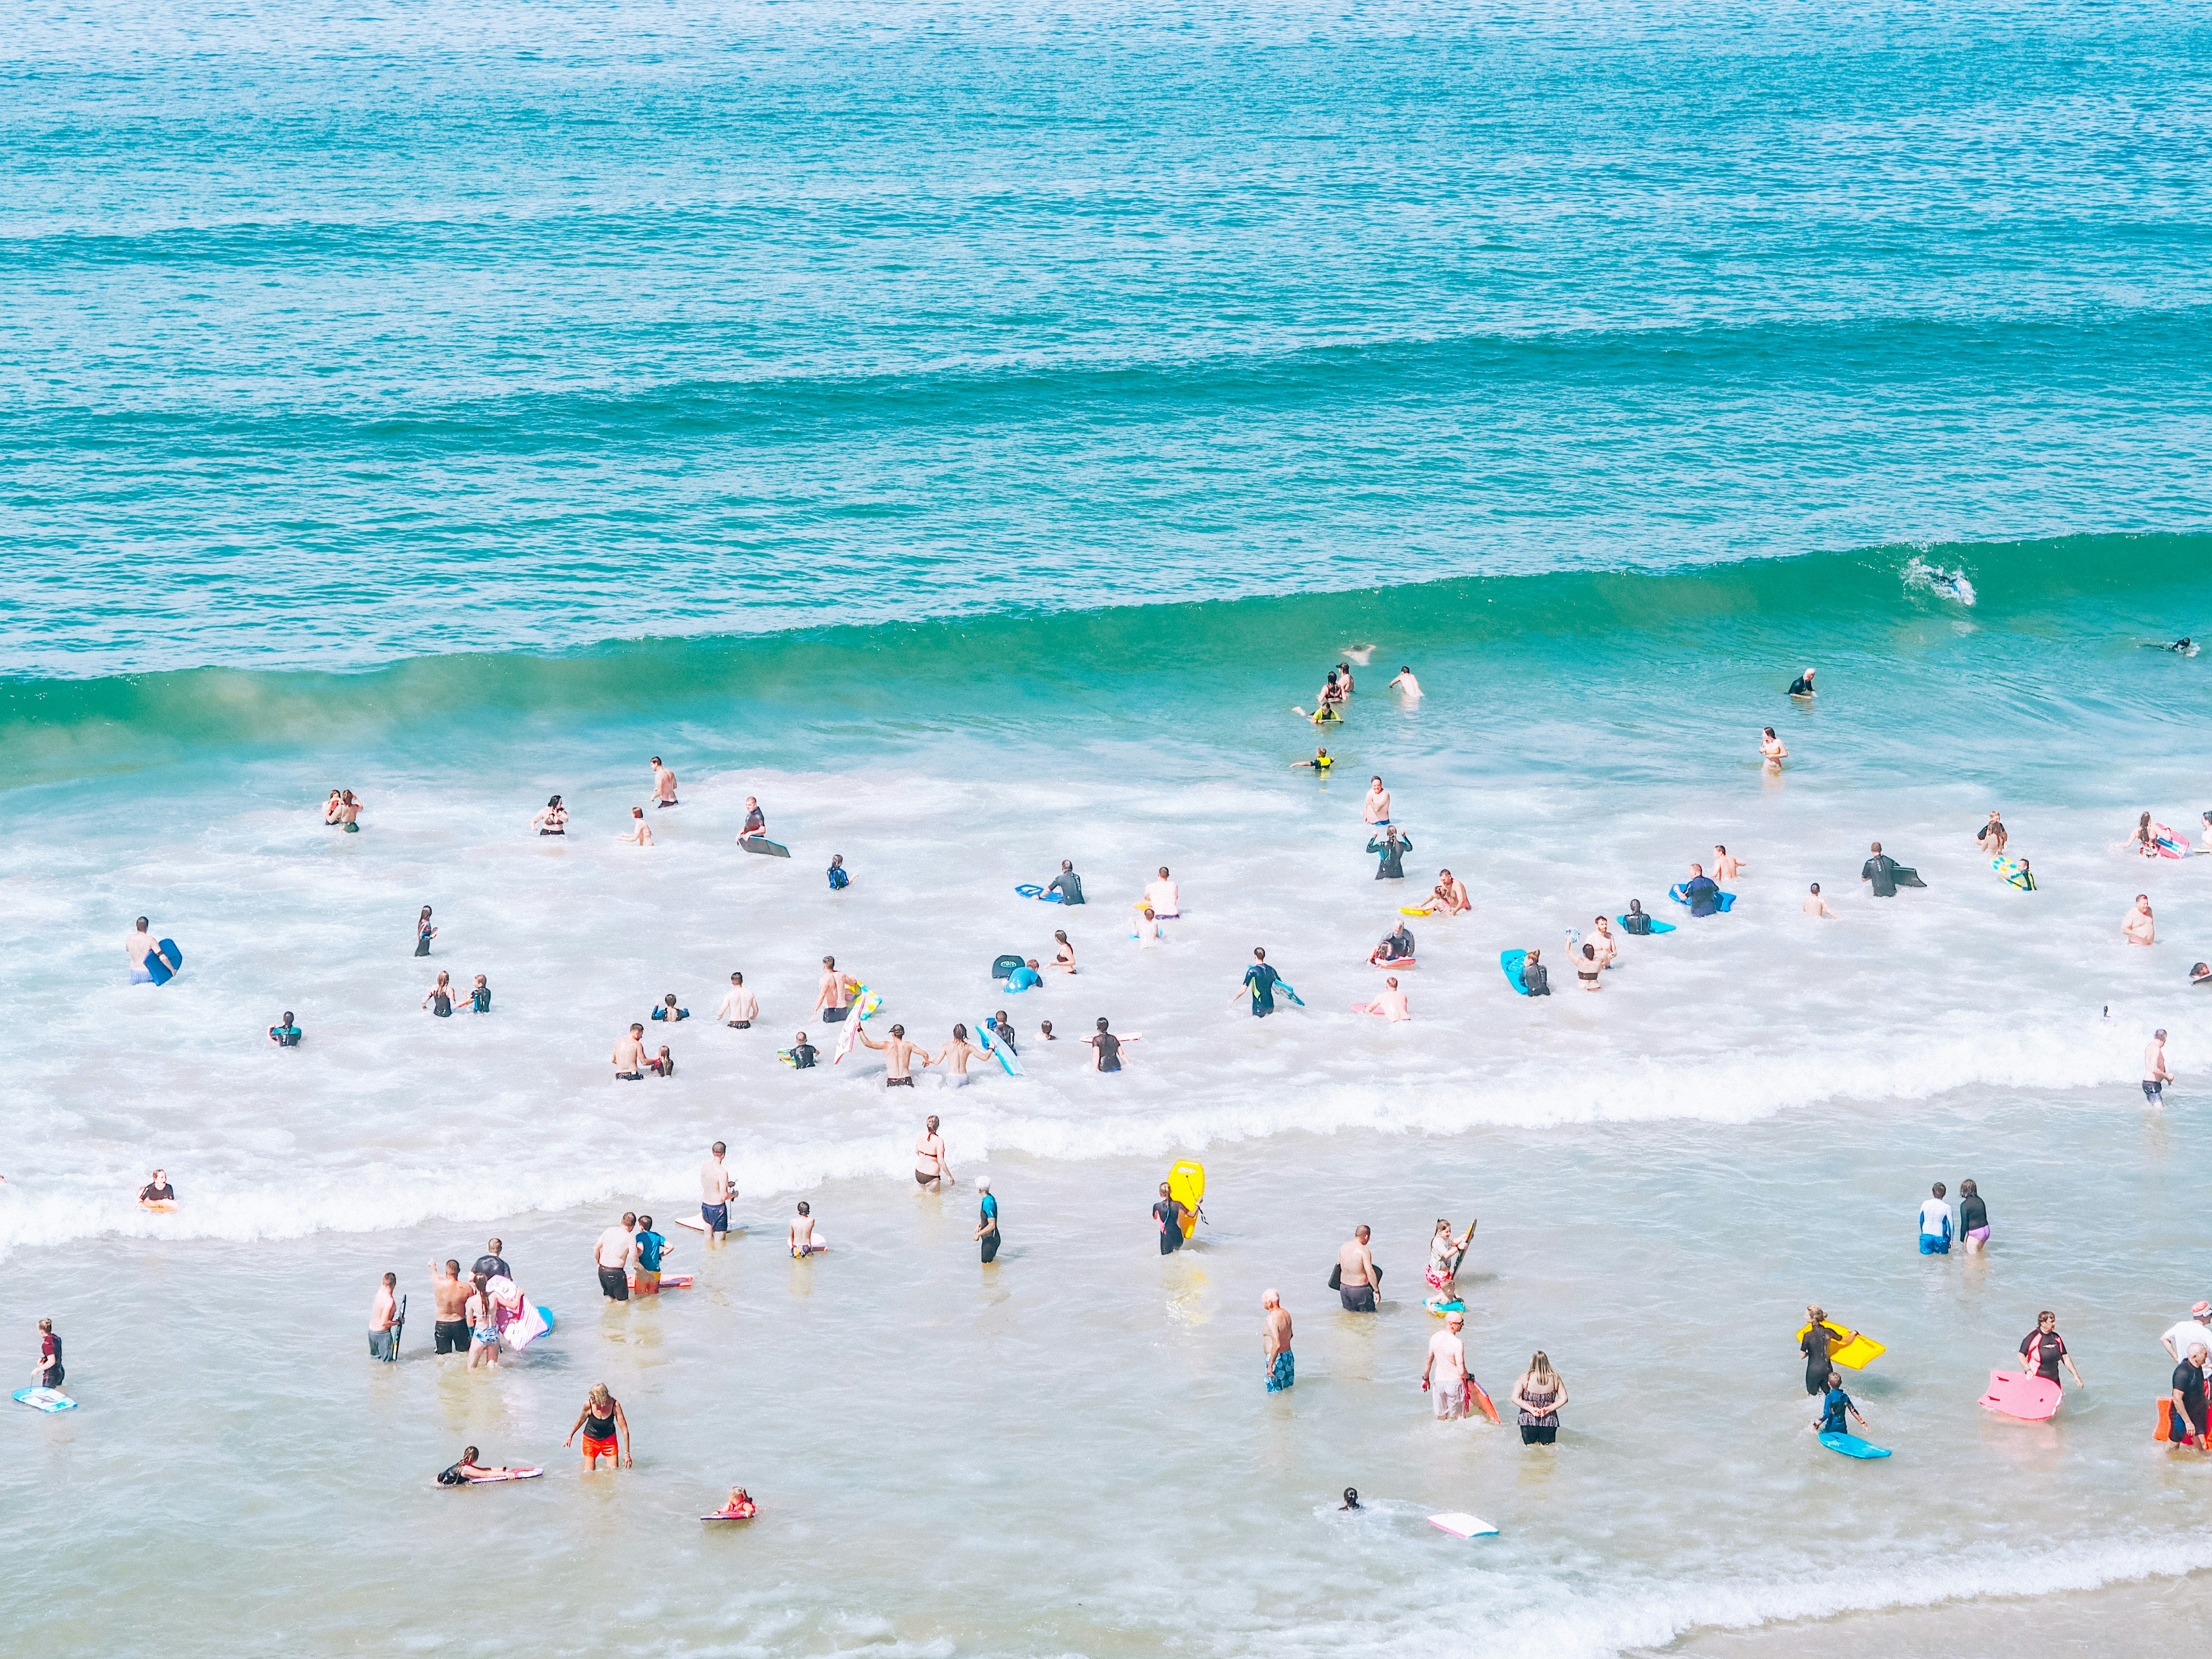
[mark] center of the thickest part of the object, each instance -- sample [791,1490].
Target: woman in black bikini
[554,820]
[440,999]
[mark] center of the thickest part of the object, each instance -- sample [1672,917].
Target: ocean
[973,431]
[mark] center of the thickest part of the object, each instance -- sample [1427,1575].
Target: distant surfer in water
[158,1190]
[1834,1403]
[1405,681]
[1885,875]
[664,786]
[1535,979]
[1635,921]
[1802,685]
[137,948]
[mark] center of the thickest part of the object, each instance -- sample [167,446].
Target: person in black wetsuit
[1109,1046]
[1635,921]
[1260,980]
[1534,976]
[1703,893]
[2189,1402]
[1816,1344]
[1169,1214]
[1397,946]
[1802,685]
[1886,875]
[1390,852]
[802,1053]
[1973,1219]
[1066,883]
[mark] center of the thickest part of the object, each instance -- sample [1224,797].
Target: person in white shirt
[1444,1375]
[1163,896]
[2197,1327]
[739,1006]
[1935,1223]
[612,1255]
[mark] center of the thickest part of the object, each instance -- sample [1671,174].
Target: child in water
[740,1507]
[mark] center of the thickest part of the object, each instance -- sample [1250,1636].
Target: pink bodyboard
[2023,1395]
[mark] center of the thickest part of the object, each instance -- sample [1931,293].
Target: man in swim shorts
[449,1295]
[2155,1075]
[1814,905]
[664,786]
[1935,1223]
[383,1315]
[831,1001]
[629,1056]
[612,1254]
[1376,811]
[1164,896]
[1169,1212]
[739,1008]
[903,1057]
[137,948]
[1066,883]
[1282,1370]
[716,1189]
[1356,1275]
[931,1165]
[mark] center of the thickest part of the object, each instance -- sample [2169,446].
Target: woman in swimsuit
[554,820]
[484,1325]
[440,999]
[1773,750]
[424,932]
[1587,970]
[349,812]
[1540,1394]
[1445,1253]
[2143,840]
[331,809]
[1063,953]
[604,1428]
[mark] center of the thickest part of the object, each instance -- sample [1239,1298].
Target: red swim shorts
[600,1447]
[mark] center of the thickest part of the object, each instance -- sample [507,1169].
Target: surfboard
[1460,1524]
[2010,869]
[2031,1397]
[161,970]
[2171,844]
[848,1035]
[1726,901]
[159,1206]
[1009,1061]
[1510,961]
[491,1480]
[1030,891]
[1657,926]
[724,1515]
[1851,1446]
[1856,1354]
[762,844]
[1481,1401]
[1284,985]
[398,1328]
[45,1399]
[695,1223]
[671,1282]
[536,1321]
[1394,962]
[816,1248]
[1186,1186]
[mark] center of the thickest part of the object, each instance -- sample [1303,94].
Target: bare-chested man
[931,1165]
[1404,681]
[137,948]
[902,1056]
[1602,938]
[1164,896]
[1376,811]
[1275,1343]
[958,1053]
[450,1291]
[830,1001]
[639,833]
[739,1007]
[1448,897]
[1356,1274]
[664,786]
[803,1242]
[1727,866]
[629,1055]
[1814,905]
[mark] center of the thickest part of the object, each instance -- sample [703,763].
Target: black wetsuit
[803,1056]
[1535,980]
[1801,687]
[1169,1215]
[1069,885]
[1704,896]
[1636,922]
[1109,1051]
[1391,855]
[1814,1344]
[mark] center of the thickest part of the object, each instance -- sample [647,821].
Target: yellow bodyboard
[1855,1355]
[1186,1186]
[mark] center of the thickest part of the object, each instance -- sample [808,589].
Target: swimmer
[1992,837]
[1390,854]
[1147,930]
[1164,896]
[668,1011]
[1351,1498]
[137,947]
[1834,1402]
[1635,921]
[1391,1005]
[480,996]
[1024,978]
[930,1164]
[1002,1031]
[1607,944]
[1279,1367]
[1344,676]
[1703,895]
[287,1035]
[1376,811]
[639,833]
[835,999]
[554,820]
[1405,681]
[1535,975]
[604,1428]
[1397,946]
[349,812]
[1044,1032]
[2024,879]
[1587,970]
[2200,975]
[1772,750]
[1814,905]
[1332,690]
[1260,982]
[740,1008]
[802,1232]
[1802,685]
[740,1507]
[840,877]
[957,1054]
[467,1472]
[2138,927]
[662,1063]
[1726,866]
[629,1056]
[1319,762]
[803,1054]
[902,1055]
[2144,840]
[440,999]
[1107,1046]
[331,809]
[1066,883]
[158,1190]
[1063,953]
[755,820]
[664,786]
[1448,897]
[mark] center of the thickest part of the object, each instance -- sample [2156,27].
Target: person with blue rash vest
[669,1011]
[480,996]
[1260,980]
[839,879]
[1024,978]
[287,1035]
[1066,883]
[1390,852]
[1834,1404]
[1935,1223]
[1701,893]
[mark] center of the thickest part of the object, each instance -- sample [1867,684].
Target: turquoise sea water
[971,429]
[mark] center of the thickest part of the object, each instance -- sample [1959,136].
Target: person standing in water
[664,786]
[1163,895]
[629,1056]
[640,832]
[484,1325]
[1377,810]
[832,1001]
[1973,1219]
[1935,1223]
[800,1236]
[1356,1277]
[1063,953]
[2189,1396]
[1260,982]
[1445,1254]
[986,1220]
[1169,1212]
[1816,1344]
[1992,837]
[1701,893]
[383,1317]
[350,811]
[931,1165]
[1390,854]
[1443,1375]
[1815,906]
[756,820]
[2138,927]
[716,1189]
[1107,1046]
[2155,1075]
[287,1035]
[52,1372]
[612,1253]
[449,1297]
[1066,883]
[739,1008]
[900,1057]
[1536,978]
[1635,921]
[440,999]
[1539,1396]
[605,1430]
[554,820]
[645,1278]
[1282,1370]
[840,878]
[1404,681]
[1802,685]
[957,1054]
[142,944]
[1834,1404]
[2045,1350]
[1726,866]
[1772,750]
